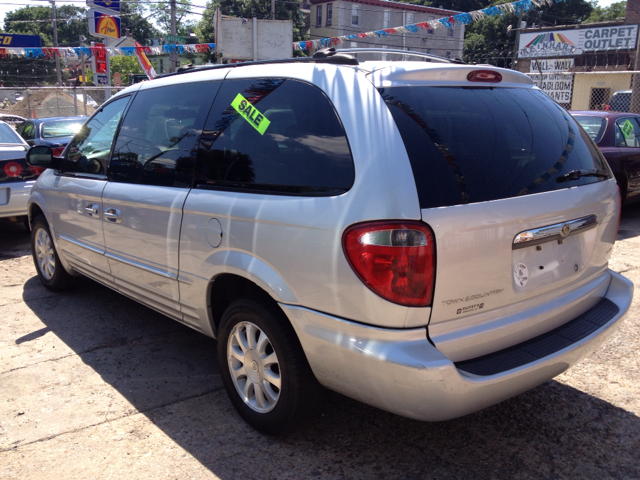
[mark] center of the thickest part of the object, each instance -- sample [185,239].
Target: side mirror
[42,156]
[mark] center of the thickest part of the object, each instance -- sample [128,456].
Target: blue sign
[9,40]
[113,5]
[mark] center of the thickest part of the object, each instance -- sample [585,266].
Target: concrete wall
[584,83]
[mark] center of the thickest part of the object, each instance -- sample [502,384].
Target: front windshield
[61,128]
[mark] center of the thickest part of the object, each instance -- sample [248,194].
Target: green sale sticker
[250,114]
[627,129]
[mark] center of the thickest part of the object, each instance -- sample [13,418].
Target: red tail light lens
[12,169]
[57,151]
[484,76]
[396,260]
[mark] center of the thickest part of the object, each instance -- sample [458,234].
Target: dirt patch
[48,103]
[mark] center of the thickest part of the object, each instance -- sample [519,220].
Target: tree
[133,17]
[72,22]
[205,30]
[125,66]
[615,11]
[162,15]
[492,41]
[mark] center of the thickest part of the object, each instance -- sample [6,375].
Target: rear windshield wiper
[576,174]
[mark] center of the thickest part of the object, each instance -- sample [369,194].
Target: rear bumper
[402,372]
[14,198]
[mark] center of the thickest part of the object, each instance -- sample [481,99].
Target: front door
[75,199]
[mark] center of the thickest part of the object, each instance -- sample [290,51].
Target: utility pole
[517,45]
[173,56]
[273,9]
[54,24]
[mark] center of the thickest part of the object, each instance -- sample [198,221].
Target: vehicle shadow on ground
[14,239]
[629,222]
[168,372]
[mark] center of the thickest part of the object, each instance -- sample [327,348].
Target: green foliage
[205,30]
[125,66]
[134,18]
[72,22]
[615,11]
[161,12]
[492,41]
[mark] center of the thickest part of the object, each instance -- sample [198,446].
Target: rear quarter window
[469,145]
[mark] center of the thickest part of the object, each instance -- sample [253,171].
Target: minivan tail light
[396,260]
[484,76]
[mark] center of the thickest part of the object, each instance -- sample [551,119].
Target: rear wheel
[264,369]
[50,270]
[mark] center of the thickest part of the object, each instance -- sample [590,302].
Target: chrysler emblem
[565,230]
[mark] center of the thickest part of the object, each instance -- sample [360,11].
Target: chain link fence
[607,91]
[47,102]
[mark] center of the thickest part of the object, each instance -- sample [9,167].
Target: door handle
[93,210]
[113,215]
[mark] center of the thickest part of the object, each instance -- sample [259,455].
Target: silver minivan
[430,238]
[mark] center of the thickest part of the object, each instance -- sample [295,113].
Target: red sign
[100,55]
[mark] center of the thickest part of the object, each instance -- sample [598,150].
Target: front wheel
[50,270]
[264,369]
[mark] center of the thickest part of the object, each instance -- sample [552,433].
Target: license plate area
[552,262]
[4,196]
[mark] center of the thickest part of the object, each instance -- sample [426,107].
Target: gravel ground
[94,385]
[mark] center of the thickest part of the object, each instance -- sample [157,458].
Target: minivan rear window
[469,145]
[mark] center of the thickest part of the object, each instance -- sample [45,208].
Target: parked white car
[427,238]
[16,177]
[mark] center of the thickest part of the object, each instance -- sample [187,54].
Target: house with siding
[331,18]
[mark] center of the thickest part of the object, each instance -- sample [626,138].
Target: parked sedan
[617,134]
[54,132]
[16,177]
[13,120]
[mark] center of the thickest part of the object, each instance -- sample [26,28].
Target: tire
[264,369]
[45,257]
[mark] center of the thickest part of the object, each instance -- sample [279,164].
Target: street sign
[117,80]
[100,79]
[174,40]
[113,5]
[103,25]
[10,40]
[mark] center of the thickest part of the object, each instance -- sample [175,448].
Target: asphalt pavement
[94,385]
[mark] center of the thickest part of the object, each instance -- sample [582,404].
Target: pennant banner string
[446,22]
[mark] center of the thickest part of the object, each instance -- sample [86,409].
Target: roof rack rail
[408,53]
[326,55]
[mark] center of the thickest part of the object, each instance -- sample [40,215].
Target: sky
[11,5]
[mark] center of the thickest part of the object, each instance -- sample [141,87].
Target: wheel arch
[226,288]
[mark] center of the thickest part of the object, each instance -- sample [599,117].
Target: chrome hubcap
[45,254]
[254,367]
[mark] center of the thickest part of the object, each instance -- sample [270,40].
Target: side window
[627,132]
[89,150]
[158,140]
[277,136]
[28,131]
